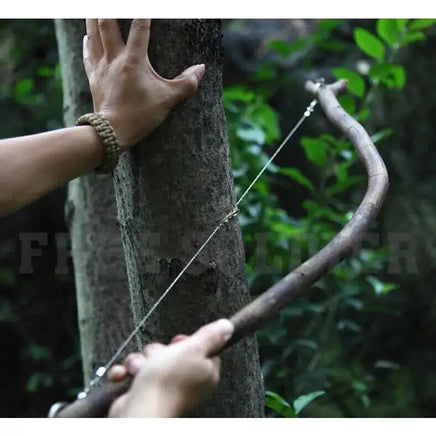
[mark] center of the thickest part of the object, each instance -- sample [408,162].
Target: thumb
[187,83]
[211,338]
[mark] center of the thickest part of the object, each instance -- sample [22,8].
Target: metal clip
[56,408]
[230,215]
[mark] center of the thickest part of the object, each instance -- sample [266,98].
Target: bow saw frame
[267,305]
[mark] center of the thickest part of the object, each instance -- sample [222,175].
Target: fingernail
[200,70]
[225,328]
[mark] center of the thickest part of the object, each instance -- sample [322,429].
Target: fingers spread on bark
[110,37]
[95,46]
[139,36]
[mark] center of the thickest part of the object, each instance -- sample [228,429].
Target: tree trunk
[172,190]
[103,301]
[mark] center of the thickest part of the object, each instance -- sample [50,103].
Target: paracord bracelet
[111,148]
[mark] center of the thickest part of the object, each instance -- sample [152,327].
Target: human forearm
[125,90]
[32,166]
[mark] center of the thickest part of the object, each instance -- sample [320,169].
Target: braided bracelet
[111,148]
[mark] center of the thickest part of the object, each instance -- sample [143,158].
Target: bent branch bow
[266,306]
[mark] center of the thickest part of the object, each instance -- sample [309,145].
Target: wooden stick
[267,306]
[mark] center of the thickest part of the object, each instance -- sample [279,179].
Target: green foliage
[315,150]
[304,400]
[317,343]
[389,31]
[391,75]
[356,84]
[37,311]
[283,408]
[38,380]
[295,174]
[278,404]
[321,39]
[420,24]
[370,44]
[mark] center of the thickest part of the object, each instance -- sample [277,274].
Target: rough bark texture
[171,191]
[103,301]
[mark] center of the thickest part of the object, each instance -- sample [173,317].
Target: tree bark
[172,190]
[103,301]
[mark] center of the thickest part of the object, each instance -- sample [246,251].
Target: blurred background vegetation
[362,342]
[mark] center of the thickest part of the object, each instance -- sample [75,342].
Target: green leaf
[348,103]
[71,361]
[281,47]
[342,170]
[45,72]
[342,186]
[277,403]
[422,24]
[402,23]
[266,117]
[348,155]
[254,150]
[39,353]
[315,150]
[23,90]
[359,386]
[308,343]
[386,364]
[241,171]
[363,114]
[388,30]
[266,72]
[251,134]
[369,44]
[356,84]
[413,37]
[345,324]
[365,400]
[238,93]
[336,143]
[379,136]
[392,75]
[329,25]
[332,45]
[299,44]
[379,287]
[296,175]
[301,402]
[37,380]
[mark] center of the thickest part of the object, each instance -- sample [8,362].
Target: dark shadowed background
[363,342]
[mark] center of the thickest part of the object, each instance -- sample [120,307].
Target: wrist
[109,142]
[125,140]
[152,402]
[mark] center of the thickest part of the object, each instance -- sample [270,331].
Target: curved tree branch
[268,305]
